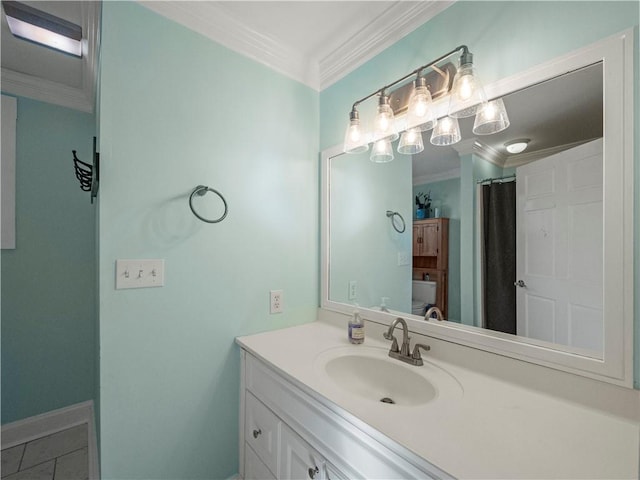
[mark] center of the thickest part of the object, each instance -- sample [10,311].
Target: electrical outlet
[353,290]
[276,301]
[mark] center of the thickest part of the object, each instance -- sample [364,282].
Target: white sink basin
[369,374]
[380,379]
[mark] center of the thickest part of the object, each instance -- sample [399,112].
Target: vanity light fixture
[517,146]
[467,98]
[43,28]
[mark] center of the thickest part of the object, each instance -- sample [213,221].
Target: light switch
[403,258]
[139,273]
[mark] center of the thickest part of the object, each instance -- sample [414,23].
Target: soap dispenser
[356,327]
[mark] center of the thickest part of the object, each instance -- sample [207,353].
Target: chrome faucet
[437,311]
[402,353]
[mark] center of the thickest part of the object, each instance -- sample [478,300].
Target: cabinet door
[297,459]
[417,240]
[254,468]
[430,240]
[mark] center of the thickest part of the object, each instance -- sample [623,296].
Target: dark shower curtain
[499,270]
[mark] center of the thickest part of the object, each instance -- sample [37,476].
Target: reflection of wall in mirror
[447,194]
[364,246]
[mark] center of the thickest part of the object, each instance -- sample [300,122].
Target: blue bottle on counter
[356,328]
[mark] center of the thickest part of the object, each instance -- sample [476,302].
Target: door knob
[520,283]
[313,471]
[257,433]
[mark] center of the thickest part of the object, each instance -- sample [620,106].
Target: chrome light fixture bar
[42,28]
[467,98]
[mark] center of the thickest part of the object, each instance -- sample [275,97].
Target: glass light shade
[355,139]
[517,146]
[381,151]
[411,142]
[467,94]
[446,132]
[420,110]
[492,118]
[384,124]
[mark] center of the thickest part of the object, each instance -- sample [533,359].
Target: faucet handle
[394,345]
[416,351]
[404,350]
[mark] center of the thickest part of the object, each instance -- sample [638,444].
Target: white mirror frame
[616,364]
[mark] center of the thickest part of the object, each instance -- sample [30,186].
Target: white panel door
[298,461]
[560,248]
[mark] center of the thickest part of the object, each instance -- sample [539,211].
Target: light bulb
[381,152]
[411,142]
[492,118]
[354,137]
[467,94]
[446,132]
[466,87]
[384,122]
[420,112]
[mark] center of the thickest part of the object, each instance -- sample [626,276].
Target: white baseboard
[48,423]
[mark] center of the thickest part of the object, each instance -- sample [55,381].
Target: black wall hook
[88,175]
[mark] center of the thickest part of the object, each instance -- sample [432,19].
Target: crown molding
[489,154]
[528,157]
[214,22]
[437,177]
[395,23]
[23,85]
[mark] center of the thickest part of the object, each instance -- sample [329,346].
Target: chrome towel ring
[392,216]
[201,190]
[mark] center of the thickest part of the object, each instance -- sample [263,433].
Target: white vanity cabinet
[286,433]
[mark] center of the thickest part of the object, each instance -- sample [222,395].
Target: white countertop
[492,429]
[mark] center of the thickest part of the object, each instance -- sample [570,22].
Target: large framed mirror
[527,254]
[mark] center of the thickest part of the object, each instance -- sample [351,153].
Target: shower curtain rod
[496,179]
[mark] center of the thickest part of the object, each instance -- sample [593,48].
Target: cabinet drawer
[262,429]
[254,468]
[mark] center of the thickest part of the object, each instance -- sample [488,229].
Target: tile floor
[60,456]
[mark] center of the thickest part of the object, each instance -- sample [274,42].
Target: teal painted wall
[506,38]
[178,110]
[364,245]
[48,281]
[446,195]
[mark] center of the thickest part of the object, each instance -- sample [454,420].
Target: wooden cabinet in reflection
[431,256]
